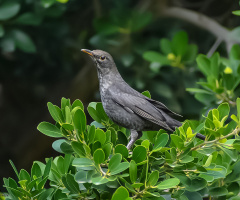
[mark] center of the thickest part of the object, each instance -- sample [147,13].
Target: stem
[235,132]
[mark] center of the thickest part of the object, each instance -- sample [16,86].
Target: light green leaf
[160,142]
[169,183]
[49,129]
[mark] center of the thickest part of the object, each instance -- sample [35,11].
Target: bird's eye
[102,58]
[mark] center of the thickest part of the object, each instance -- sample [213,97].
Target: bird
[127,107]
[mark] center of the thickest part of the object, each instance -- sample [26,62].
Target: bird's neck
[107,78]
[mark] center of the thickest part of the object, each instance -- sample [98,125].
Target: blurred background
[41,61]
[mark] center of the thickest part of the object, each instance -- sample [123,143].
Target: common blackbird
[126,106]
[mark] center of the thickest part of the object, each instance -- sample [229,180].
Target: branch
[235,132]
[201,21]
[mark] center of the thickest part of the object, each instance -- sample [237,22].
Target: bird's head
[103,60]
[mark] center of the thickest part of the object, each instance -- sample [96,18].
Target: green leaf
[197,90]
[99,156]
[238,108]
[234,117]
[91,134]
[77,103]
[224,110]
[236,12]
[168,183]
[81,176]
[47,3]
[179,43]
[203,64]
[23,175]
[49,129]
[160,142]
[93,113]
[147,94]
[29,18]
[14,168]
[139,154]
[2,31]
[36,170]
[23,41]
[114,162]
[71,184]
[121,167]
[122,150]
[56,145]
[78,148]
[215,65]
[100,136]
[120,194]
[9,9]
[153,178]
[153,56]
[107,148]
[177,141]
[46,194]
[133,171]
[83,163]
[165,46]
[57,116]
[218,191]
[79,120]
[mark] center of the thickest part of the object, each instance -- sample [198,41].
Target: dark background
[28,80]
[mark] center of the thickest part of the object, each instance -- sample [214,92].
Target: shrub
[95,163]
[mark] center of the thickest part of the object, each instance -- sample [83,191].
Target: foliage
[176,53]
[97,165]
[221,83]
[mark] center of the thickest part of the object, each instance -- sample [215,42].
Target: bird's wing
[141,107]
[162,107]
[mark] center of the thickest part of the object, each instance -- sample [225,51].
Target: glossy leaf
[49,129]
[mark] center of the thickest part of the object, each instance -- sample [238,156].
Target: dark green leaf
[122,150]
[78,148]
[218,191]
[1,31]
[9,9]
[49,129]
[139,154]
[23,41]
[179,43]
[107,148]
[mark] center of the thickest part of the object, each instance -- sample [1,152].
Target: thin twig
[235,132]
[214,47]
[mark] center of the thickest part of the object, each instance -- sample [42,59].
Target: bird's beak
[87,51]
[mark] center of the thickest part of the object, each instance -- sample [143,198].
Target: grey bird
[126,106]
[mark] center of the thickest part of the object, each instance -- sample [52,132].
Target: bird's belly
[124,118]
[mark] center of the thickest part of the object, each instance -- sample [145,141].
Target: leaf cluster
[97,165]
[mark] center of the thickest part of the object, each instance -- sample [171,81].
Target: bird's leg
[134,136]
